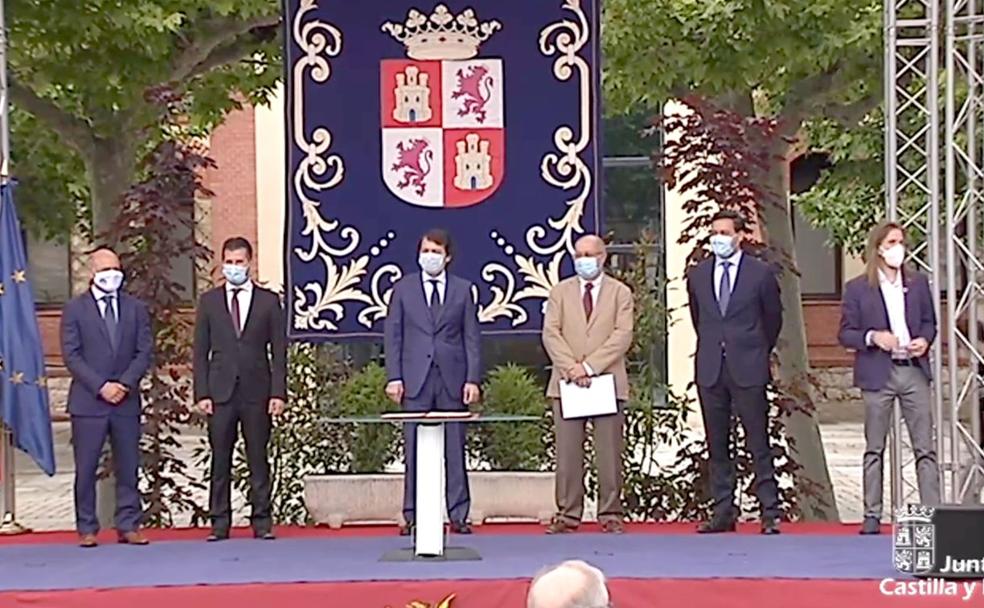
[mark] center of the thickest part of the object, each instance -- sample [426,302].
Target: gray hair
[571,584]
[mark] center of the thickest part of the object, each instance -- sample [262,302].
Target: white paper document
[595,400]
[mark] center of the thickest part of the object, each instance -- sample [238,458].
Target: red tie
[235,311]
[588,302]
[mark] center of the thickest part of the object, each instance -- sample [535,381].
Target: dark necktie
[724,295]
[109,316]
[435,301]
[236,319]
[588,301]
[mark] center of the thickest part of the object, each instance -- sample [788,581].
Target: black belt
[906,362]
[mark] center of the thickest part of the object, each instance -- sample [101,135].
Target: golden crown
[442,35]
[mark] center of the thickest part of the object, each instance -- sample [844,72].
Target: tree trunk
[111,171]
[814,490]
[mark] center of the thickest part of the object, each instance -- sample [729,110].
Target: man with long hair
[887,319]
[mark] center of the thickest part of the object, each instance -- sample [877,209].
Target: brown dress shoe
[559,526]
[88,541]
[613,526]
[134,537]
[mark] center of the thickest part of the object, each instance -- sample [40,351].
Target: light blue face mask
[722,245]
[431,263]
[235,274]
[586,267]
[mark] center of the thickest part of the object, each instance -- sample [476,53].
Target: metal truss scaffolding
[934,175]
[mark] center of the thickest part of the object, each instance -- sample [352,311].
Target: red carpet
[390,530]
[719,593]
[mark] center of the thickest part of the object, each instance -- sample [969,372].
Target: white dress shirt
[442,282]
[99,294]
[245,296]
[595,288]
[893,292]
[734,260]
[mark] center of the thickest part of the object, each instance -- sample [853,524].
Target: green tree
[792,61]
[80,73]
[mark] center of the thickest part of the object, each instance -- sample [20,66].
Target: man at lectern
[433,348]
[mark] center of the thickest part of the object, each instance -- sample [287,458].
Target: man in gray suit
[433,352]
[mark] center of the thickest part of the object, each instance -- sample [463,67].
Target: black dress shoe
[870,526]
[264,535]
[770,526]
[717,525]
[217,535]
[406,529]
[460,528]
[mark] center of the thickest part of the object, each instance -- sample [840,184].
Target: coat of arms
[443,120]
[914,540]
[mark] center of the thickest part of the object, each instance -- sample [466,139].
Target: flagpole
[8,519]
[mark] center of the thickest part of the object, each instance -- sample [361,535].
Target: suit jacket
[413,339]
[746,333]
[89,356]
[601,341]
[256,360]
[863,310]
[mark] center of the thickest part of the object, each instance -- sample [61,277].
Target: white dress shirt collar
[246,287]
[734,260]
[595,282]
[441,278]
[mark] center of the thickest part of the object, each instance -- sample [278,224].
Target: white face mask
[108,281]
[894,256]
[431,263]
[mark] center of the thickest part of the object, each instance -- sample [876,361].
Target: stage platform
[805,566]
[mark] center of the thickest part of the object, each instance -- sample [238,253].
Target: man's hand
[885,340]
[918,347]
[394,390]
[205,406]
[471,393]
[577,372]
[276,406]
[112,392]
[583,381]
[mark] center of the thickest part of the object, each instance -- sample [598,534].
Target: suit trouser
[717,404]
[436,396]
[88,437]
[223,426]
[910,386]
[608,434]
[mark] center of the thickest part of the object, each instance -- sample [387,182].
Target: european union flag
[23,385]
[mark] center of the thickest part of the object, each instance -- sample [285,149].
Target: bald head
[104,259]
[572,584]
[589,256]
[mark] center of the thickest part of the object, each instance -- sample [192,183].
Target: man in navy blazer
[107,347]
[433,350]
[736,310]
[888,320]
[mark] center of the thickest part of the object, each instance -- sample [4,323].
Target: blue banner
[478,117]
[23,384]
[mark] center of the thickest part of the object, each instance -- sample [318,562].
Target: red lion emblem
[415,160]
[476,88]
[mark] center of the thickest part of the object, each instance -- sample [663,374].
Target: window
[819,262]
[48,268]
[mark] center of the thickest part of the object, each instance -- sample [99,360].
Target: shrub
[369,447]
[513,446]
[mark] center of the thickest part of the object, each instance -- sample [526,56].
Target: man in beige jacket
[587,331]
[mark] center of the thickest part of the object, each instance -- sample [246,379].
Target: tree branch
[223,55]
[850,114]
[216,36]
[77,132]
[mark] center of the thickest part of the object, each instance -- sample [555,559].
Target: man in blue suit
[888,320]
[433,350]
[737,313]
[107,347]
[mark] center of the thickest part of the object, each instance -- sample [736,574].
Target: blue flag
[23,384]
